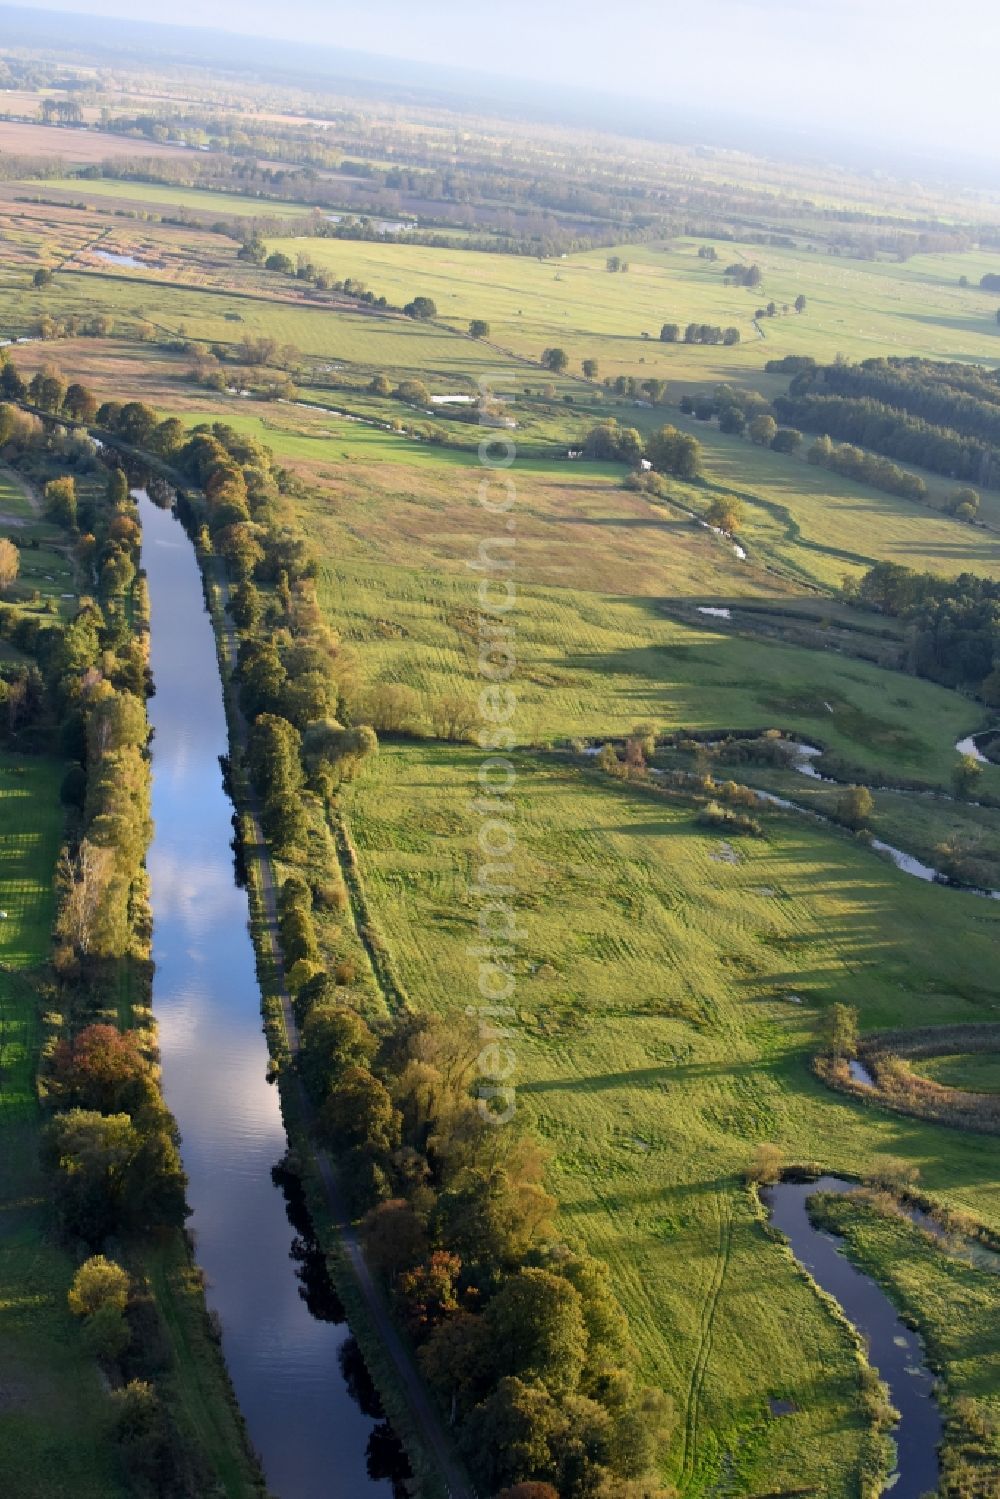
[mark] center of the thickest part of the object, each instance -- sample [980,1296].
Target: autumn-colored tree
[98,1282]
[10,562]
[726,513]
[965,776]
[855,807]
[429,1292]
[104,1069]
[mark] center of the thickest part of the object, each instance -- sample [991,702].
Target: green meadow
[955,1304]
[357,337]
[855,308]
[810,525]
[396,524]
[669,989]
[979,1072]
[593,665]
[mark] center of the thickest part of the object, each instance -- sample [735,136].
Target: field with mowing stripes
[667,999]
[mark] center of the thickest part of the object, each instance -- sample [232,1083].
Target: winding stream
[894,1349]
[802,762]
[289,1357]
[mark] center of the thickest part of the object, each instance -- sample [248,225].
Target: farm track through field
[692,1413]
[378,954]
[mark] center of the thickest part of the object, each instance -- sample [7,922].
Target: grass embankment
[665,1029]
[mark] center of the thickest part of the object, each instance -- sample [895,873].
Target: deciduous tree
[10,562]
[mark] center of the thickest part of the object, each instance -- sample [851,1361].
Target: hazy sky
[916,70]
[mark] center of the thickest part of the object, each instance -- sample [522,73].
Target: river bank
[284,1362]
[892,1349]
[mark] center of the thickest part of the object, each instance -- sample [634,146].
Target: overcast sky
[921,71]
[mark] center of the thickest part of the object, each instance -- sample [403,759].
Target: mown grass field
[594,665]
[666,1009]
[669,984]
[596,652]
[55,1435]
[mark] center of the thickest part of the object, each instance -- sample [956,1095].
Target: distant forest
[944,417]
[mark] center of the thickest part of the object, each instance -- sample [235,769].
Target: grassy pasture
[857,308]
[812,524]
[54,1416]
[594,664]
[354,337]
[656,1041]
[596,653]
[655,1044]
[385,498]
[977,1072]
[918,824]
[828,526]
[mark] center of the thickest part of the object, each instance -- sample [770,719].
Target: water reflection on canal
[311,1414]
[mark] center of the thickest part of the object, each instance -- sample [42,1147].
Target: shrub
[98,1283]
[767,1164]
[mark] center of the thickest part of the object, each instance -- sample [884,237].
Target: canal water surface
[295,1373]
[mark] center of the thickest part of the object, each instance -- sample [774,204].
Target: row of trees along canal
[110,1146]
